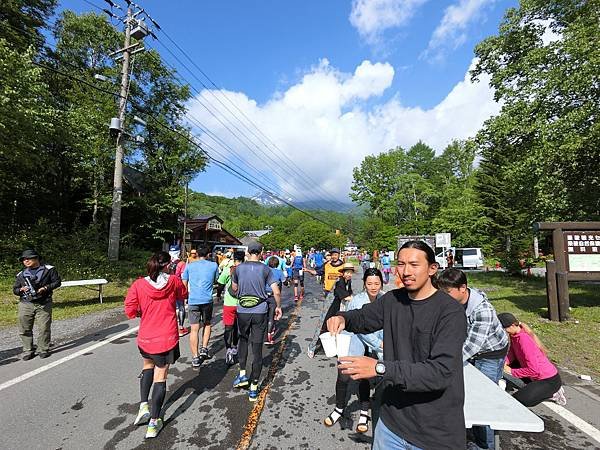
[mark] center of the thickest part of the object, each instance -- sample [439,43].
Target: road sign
[443,240]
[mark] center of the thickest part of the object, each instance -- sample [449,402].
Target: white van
[466,258]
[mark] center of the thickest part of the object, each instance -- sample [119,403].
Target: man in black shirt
[423,333]
[34,286]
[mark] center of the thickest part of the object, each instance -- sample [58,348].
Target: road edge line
[58,362]
[577,421]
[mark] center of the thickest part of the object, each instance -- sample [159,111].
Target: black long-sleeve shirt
[423,395]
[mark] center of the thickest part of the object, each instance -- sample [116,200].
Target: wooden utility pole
[114,234]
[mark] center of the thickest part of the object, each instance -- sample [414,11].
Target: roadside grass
[69,302]
[572,344]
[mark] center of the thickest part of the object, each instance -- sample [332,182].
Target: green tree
[537,153]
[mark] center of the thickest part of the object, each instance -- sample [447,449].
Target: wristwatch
[380,368]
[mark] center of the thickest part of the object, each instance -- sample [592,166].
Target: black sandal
[331,420]
[363,425]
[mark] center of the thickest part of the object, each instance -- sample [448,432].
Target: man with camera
[34,285]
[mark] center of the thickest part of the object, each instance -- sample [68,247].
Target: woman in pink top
[527,360]
[153,300]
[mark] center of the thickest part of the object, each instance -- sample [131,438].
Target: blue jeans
[384,439]
[491,368]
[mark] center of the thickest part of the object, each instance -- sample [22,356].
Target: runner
[273,263]
[287,257]
[298,269]
[331,270]
[319,263]
[386,266]
[176,267]
[361,344]
[153,299]
[248,282]
[199,278]
[224,266]
[230,309]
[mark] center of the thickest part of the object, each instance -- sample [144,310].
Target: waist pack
[249,301]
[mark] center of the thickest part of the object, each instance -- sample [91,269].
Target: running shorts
[252,326]
[229,315]
[200,314]
[298,275]
[162,359]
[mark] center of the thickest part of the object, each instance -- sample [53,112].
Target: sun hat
[347,266]
[29,254]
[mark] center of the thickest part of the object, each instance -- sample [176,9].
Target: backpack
[298,262]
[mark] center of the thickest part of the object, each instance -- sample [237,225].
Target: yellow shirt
[332,273]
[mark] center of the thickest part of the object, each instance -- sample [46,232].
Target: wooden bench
[100,282]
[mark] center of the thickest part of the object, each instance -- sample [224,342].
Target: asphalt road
[90,400]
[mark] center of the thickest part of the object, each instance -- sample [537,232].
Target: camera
[31,294]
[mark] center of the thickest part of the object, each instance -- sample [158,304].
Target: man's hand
[358,367]
[278,313]
[336,324]
[24,289]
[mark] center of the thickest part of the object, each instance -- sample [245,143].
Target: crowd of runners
[410,342]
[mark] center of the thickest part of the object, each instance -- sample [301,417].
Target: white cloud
[451,32]
[373,17]
[329,121]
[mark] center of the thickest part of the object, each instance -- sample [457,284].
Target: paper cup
[343,344]
[328,341]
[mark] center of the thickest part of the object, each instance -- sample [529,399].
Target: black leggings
[341,390]
[231,336]
[535,392]
[256,358]
[271,315]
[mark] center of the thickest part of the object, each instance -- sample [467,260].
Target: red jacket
[158,326]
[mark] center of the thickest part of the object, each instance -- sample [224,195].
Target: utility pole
[114,234]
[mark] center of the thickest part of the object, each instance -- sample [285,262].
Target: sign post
[576,247]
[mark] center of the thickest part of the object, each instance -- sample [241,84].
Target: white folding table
[488,404]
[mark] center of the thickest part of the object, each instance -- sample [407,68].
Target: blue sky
[328,81]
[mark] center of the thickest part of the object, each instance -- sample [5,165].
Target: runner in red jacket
[153,299]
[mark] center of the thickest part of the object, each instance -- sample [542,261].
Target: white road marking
[58,362]
[574,420]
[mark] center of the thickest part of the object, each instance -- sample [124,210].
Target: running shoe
[559,397]
[204,353]
[310,353]
[241,381]
[295,298]
[270,339]
[253,394]
[234,351]
[196,361]
[183,331]
[154,428]
[143,415]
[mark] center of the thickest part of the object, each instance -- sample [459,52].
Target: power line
[243,114]
[185,136]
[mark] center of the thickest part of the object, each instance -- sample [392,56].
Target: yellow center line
[254,416]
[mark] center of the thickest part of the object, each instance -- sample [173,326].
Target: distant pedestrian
[273,263]
[176,267]
[199,278]
[386,266]
[527,360]
[248,283]
[365,262]
[449,258]
[153,299]
[34,286]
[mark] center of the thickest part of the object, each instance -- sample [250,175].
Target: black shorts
[297,277]
[252,326]
[162,359]
[200,314]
